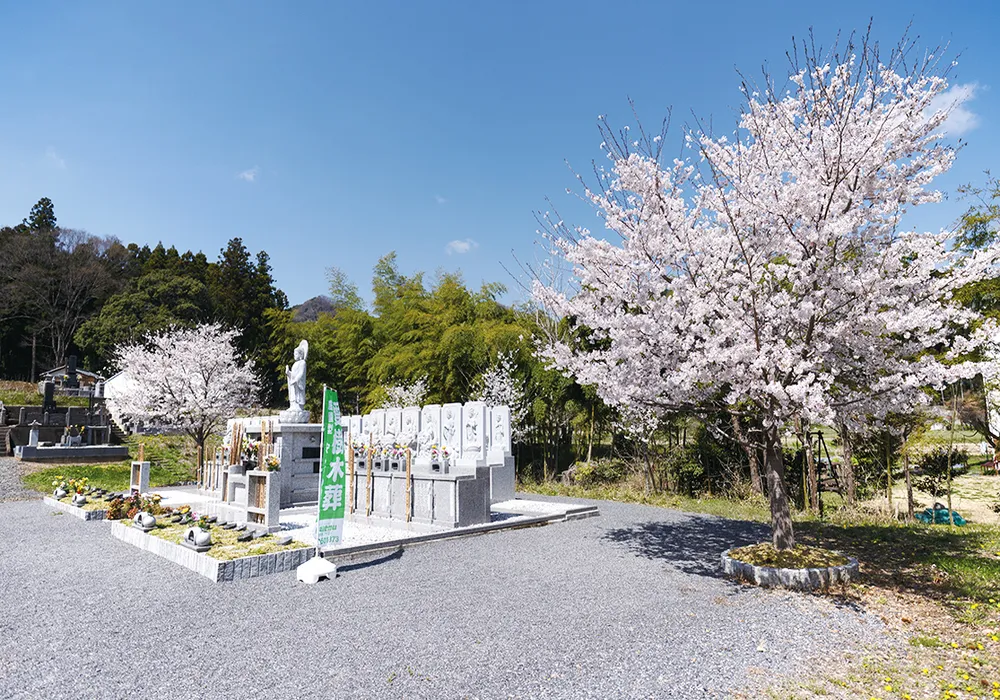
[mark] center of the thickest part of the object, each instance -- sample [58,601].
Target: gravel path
[627,605]
[11,488]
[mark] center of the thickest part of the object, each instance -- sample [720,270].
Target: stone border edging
[795,579]
[577,513]
[213,569]
[80,513]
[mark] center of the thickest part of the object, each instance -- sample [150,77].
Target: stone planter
[795,579]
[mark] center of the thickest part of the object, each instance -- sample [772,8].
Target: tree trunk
[847,464]
[951,445]
[783,536]
[812,478]
[751,452]
[909,488]
[888,467]
[590,437]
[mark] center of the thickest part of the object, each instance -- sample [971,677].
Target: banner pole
[322,451]
[350,470]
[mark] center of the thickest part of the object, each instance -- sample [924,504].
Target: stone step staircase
[118,435]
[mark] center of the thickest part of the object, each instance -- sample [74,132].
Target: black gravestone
[49,397]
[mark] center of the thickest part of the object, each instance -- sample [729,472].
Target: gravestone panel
[451,427]
[474,437]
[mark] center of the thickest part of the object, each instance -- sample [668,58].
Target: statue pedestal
[293,415]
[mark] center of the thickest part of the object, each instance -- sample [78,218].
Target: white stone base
[293,415]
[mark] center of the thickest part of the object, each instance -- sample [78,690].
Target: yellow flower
[955,645]
[888,689]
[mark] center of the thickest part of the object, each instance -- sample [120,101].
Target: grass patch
[26,394]
[172,461]
[934,561]
[754,509]
[925,640]
[224,544]
[799,557]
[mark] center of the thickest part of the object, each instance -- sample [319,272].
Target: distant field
[26,394]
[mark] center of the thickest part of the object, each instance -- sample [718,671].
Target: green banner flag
[332,475]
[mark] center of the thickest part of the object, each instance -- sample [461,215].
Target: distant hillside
[310,309]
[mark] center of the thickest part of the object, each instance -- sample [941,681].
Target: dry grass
[225,546]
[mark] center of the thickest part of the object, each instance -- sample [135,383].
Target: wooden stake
[368,478]
[142,452]
[409,481]
[350,473]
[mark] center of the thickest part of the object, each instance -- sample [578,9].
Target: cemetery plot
[233,556]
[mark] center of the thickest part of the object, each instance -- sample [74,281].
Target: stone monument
[296,411]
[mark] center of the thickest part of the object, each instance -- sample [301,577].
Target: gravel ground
[10,481]
[626,605]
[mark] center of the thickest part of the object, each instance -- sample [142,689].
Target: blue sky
[331,133]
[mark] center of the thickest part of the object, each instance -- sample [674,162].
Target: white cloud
[962,120]
[460,247]
[54,158]
[439,199]
[249,175]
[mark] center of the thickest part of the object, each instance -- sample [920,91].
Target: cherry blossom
[190,379]
[770,268]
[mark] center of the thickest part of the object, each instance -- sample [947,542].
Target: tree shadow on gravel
[692,545]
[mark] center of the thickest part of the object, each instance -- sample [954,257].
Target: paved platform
[361,534]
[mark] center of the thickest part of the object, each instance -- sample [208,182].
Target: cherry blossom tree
[500,385]
[768,274]
[190,379]
[404,395]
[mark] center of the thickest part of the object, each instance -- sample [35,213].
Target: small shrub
[115,509]
[598,471]
[933,468]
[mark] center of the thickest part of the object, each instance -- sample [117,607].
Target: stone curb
[795,579]
[577,513]
[80,513]
[213,569]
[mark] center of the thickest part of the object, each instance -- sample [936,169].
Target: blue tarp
[938,516]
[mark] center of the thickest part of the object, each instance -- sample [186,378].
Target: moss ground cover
[224,542]
[800,557]
[92,503]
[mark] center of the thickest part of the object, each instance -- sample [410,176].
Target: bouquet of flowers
[250,450]
[272,462]
[439,453]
